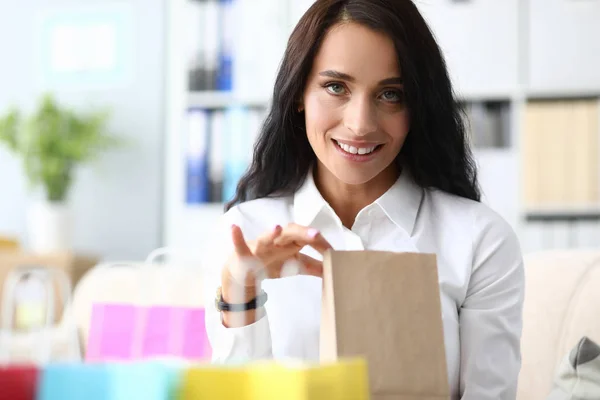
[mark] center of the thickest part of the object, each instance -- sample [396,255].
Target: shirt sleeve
[230,345]
[491,315]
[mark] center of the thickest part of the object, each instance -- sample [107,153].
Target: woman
[364,148]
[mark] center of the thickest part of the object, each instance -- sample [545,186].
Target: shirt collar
[400,203]
[308,201]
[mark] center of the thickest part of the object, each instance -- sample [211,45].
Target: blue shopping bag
[118,381]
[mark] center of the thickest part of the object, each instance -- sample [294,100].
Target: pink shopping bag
[162,322]
[127,332]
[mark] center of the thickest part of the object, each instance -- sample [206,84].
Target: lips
[354,150]
[357,149]
[357,152]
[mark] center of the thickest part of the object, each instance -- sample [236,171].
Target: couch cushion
[578,376]
[562,304]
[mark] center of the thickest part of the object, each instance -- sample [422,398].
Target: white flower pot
[49,227]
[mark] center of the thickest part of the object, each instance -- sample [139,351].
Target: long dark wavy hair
[436,150]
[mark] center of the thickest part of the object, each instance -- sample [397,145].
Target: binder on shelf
[556,165]
[197,175]
[500,113]
[561,154]
[530,155]
[223,37]
[227,32]
[211,43]
[194,23]
[488,124]
[482,135]
[593,149]
[583,154]
[216,155]
[236,144]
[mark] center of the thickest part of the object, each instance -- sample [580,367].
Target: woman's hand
[265,258]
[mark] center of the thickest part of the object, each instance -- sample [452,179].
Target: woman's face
[356,119]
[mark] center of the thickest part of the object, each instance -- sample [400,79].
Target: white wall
[117,201]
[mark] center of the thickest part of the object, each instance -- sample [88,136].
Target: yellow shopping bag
[214,382]
[342,380]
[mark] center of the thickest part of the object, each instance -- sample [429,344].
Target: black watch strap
[257,302]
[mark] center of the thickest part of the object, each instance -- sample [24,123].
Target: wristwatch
[257,302]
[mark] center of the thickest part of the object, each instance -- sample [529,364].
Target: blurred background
[125,125]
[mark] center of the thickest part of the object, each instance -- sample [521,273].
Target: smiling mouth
[358,151]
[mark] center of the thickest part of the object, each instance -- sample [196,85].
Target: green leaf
[54,141]
[9,124]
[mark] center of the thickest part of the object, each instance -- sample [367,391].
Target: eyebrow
[340,75]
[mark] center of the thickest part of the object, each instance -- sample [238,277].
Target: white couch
[562,304]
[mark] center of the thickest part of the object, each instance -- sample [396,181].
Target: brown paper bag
[386,307]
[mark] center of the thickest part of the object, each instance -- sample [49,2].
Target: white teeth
[354,150]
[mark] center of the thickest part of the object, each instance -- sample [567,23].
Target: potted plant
[52,143]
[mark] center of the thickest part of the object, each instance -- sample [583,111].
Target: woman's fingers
[239,243]
[265,241]
[302,236]
[266,250]
[311,266]
[266,256]
[245,267]
[268,237]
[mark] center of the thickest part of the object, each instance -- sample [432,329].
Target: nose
[361,116]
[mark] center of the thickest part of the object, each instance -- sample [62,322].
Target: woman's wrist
[240,295]
[235,293]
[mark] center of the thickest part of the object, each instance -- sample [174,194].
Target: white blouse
[480,270]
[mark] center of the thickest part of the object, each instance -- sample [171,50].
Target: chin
[354,176]
[350,171]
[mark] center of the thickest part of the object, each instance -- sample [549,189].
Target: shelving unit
[190,225]
[496,57]
[217,100]
[570,214]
